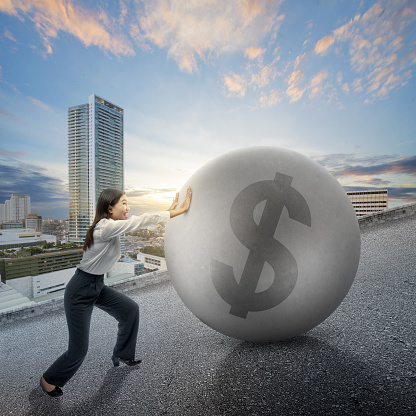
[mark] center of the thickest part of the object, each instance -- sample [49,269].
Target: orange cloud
[323,45]
[235,85]
[377,46]
[293,91]
[373,181]
[52,16]
[12,7]
[40,103]
[264,75]
[273,98]
[199,29]
[316,83]
[253,53]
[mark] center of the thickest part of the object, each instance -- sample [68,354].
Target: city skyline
[332,80]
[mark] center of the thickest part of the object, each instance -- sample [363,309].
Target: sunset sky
[333,80]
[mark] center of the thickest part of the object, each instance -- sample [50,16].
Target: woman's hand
[175,202]
[183,207]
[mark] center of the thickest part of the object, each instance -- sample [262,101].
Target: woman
[86,288]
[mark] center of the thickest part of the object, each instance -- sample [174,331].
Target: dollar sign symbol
[259,239]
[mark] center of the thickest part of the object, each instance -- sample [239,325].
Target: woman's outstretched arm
[174,212]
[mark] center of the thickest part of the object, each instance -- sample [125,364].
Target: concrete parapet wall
[124,285]
[387,215]
[136,282]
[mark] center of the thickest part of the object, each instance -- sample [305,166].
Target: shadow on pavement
[100,403]
[303,376]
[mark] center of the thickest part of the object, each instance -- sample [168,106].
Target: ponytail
[107,197]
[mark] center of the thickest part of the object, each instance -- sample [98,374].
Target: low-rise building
[127,265]
[151,263]
[23,237]
[12,268]
[368,202]
[33,221]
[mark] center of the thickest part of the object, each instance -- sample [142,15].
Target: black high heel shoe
[116,361]
[54,393]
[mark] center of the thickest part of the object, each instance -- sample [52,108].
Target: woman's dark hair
[107,197]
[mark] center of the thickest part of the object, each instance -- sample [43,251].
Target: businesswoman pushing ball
[86,288]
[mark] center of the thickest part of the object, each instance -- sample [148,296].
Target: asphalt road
[360,361]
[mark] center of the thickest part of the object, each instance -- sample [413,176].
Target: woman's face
[120,209]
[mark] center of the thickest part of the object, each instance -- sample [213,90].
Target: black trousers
[82,293]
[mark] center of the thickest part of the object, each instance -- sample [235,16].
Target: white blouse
[100,257]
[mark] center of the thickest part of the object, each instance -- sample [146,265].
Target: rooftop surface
[360,361]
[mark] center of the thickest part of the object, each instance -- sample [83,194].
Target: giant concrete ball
[269,247]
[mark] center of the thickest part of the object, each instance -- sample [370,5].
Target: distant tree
[23,252]
[35,250]
[48,245]
[154,251]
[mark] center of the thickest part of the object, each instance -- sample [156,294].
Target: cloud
[378,47]
[143,200]
[293,91]
[147,191]
[402,194]
[373,181]
[254,53]
[53,16]
[271,99]
[352,169]
[323,44]
[123,12]
[186,29]
[339,161]
[183,29]
[377,44]
[39,103]
[264,76]
[405,166]
[4,152]
[47,194]
[9,35]
[316,83]
[235,85]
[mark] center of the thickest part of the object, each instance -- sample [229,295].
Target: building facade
[19,207]
[2,213]
[12,237]
[126,266]
[13,268]
[95,159]
[11,225]
[367,202]
[34,222]
[151,263]
[7,211]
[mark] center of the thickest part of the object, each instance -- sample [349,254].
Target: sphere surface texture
[269,247]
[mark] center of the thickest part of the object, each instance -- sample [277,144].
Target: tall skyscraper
[95,159]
